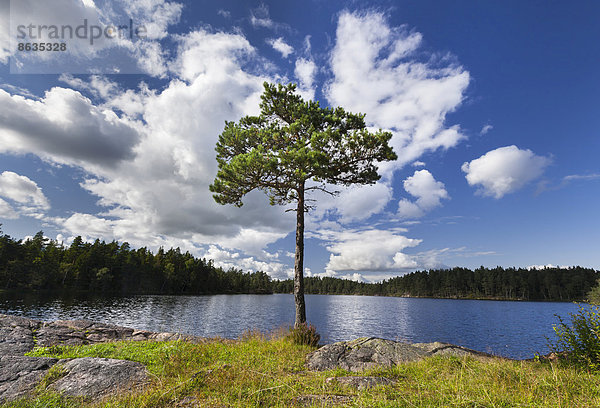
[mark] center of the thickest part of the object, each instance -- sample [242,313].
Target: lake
[510,329]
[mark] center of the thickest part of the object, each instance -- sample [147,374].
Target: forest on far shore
[40,264]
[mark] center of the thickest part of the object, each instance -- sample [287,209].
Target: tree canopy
[40,264]
[293,141]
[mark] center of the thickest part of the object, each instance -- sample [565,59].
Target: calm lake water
[511,329]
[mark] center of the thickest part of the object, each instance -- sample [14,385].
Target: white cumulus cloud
[6,211]
[22,190]
[64,127]
[159,195]
[370,251]
[504,170]
[377,72]
[281,46]
[305,71]
[23,195]
[232,259]
[361,202]
[427,191]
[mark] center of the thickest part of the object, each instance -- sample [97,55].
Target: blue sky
[493,108]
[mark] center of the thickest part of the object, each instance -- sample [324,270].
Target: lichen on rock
[99,376]
[370,352]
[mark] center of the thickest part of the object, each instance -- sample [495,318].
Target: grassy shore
[257,371]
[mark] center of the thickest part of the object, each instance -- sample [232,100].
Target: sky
[493,107]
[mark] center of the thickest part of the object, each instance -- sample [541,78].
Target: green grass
[269,372]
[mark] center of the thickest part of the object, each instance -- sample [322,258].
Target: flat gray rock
[369,352]
[19,375]
[96,377]
[77,332]
[19,335]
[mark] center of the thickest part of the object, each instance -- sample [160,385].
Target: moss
[34,336]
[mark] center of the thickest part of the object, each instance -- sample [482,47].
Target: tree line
[113,268]
[556,284]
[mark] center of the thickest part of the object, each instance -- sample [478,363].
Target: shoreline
[86,294]
[82,363]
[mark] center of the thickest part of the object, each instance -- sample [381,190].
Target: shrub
[593,295]
[580,341]
[304,335]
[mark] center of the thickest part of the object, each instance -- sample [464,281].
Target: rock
[446,349]
[83,377]
[362,354]
[361,383]
[77,332]
[96,377]
[17,335]
[19,375]
[369,352]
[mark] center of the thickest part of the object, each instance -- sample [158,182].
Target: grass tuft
[304,335]
[55,373]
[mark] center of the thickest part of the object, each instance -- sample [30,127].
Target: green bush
[304,335]
[580,341]
[593,295]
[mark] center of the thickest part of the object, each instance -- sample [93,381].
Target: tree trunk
[299,261]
